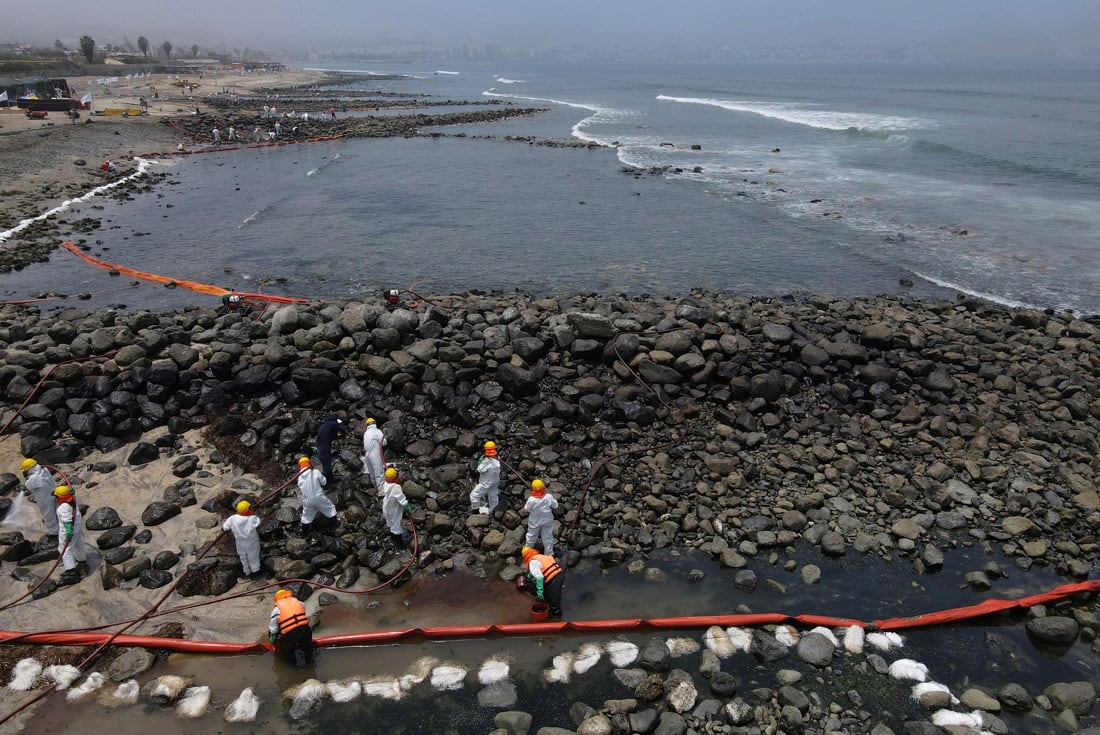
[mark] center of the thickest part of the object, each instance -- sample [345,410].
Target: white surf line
[143,166]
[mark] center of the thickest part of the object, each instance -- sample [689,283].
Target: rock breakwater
[728,424]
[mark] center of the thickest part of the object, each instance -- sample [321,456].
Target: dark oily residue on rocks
[856,427]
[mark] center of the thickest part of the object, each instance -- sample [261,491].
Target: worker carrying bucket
[546,576]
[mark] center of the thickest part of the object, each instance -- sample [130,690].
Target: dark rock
[158,512]
[154,578]
[102,519]
[116,536]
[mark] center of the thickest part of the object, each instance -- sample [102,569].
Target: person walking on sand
[244,527]
[40,486]
[374,460]
[486,493]
[541,507]
[217,137]
[70,535]
[394,506]
[314,500]
[232,133]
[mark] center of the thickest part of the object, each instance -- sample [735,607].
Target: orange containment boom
[189,285]
[624,625]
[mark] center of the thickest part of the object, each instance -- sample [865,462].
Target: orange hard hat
[303,462]
[538,488]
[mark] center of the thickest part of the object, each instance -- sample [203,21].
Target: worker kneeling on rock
[547,577]
[289,629]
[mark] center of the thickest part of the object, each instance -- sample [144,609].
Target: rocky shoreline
[736,426]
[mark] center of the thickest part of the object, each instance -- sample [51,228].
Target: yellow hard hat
[243,506]
[391,473]
[62,490]
[527,552]
[490,449]
[303,462]
[369,421]
[27,464]
[282,594]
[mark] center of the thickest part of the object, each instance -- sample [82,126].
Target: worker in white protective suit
[394,506]
[374,461]
[541,507]
[486,493]
[70,535]
[40,484]
[243,526]
[314,500]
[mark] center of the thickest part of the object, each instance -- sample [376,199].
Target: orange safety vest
[292,614]
[550,568]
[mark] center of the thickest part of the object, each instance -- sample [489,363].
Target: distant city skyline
[1068,29]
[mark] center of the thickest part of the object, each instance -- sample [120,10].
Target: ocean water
[774,180]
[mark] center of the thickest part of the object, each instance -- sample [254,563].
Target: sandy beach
[37,156]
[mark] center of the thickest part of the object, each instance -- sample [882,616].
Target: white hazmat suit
[541,521]
[68,517]
[373,458]
[394,504]
[40,484]
[314,499]
[244,532]
[486,493]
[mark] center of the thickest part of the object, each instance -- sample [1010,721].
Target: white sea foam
[243,708]
[493,670]
[194,702]
[996,299]
[600,114]
[143,166]
[504,80]
[454,73]
[800,114]
[622,653]
[25,673]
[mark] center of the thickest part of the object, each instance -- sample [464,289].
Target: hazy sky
[302,24]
